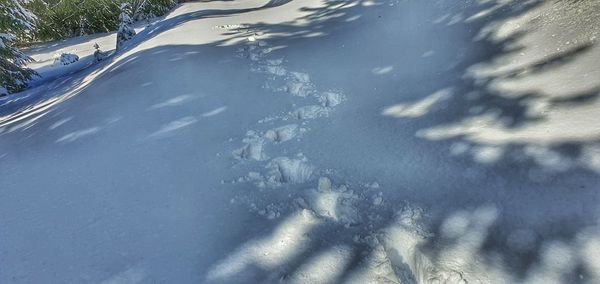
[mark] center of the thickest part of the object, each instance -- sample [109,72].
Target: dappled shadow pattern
[520,209]
[535,193]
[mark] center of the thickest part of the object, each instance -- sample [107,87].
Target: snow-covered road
[314,141]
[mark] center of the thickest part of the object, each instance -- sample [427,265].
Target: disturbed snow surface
[314,142]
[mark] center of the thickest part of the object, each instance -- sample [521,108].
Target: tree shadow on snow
[33,102]
[520,208]
[436,76]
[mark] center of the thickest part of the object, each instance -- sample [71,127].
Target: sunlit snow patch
[173,125]
[419,108]
[176,101]
[71,137]
[214,111]
[288,240]
[326,267]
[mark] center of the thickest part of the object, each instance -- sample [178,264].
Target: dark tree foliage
[59,19]
[15,21]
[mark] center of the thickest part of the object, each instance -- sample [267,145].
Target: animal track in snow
[310,112]
[330,99]
[285,170]
[281,170]
[231,27]
[283,133]
[253,148]
[447,277]
[298,84]
[253,52]
[335,203]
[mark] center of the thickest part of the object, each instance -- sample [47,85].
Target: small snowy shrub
[99,55]
[65,59]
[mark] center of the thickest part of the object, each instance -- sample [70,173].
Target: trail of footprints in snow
[336,203]
[282,170]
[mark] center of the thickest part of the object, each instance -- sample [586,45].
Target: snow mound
[65,59]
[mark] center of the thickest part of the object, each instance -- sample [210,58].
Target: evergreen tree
[126,30]
[59,19]
[147,9]
[14,20]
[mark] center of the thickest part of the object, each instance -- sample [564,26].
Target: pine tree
[126,30]
[14,20]
[147,9]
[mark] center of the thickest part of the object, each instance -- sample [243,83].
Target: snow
[286,170]
[283,133]
[311,141]
[65,59]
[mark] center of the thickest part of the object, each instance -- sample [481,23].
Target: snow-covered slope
[313,141]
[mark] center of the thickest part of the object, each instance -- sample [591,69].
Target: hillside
[311,141]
